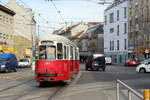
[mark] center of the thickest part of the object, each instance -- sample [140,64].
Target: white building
[116,31]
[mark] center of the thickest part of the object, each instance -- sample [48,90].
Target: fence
[145,96]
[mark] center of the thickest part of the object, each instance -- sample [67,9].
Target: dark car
[96,62]
[8,62]
[131,62]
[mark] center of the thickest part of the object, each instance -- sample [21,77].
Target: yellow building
[22,47]
[24,29]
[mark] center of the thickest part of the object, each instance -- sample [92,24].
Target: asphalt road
[114,72]
[28,89]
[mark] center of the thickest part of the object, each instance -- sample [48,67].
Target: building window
[105,20]
[0,17]
[125,12]
[3,19]
[111,30]
[125,44]
[117,15]
[125,28]
[111,17]
[112,45]
[117,44]
[118,30]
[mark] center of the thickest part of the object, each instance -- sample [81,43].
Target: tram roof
[57,38]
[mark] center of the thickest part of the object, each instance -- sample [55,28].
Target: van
[108,60]
[95,62]
[25,62]
[8,62]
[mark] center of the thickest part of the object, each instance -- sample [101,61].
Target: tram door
[74,61]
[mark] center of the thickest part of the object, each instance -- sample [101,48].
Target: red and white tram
[58,59]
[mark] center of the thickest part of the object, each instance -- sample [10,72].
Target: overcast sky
[70,11]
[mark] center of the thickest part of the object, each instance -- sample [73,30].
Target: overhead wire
[58,11]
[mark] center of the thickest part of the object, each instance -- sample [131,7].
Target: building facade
[6,29]
[87,36]
[116,31]
[24,28]
[139,28]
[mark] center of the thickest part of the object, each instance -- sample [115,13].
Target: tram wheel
[41,84]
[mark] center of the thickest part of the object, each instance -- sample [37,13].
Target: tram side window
[42,52]
[65,52]
[71,53]
[47,52]
[51,52]
[59,51]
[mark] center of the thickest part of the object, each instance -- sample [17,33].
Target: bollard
[146,94]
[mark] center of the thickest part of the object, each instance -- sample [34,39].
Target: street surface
[88,85]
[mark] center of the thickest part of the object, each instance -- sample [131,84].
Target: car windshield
[99,59]
[4,60]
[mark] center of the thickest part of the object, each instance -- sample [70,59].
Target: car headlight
[3,66]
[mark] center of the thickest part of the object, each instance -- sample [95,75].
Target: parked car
[131,62]
[108,60]
[146,60]
[96,62]
[26,62]
[8,62]
[143,67]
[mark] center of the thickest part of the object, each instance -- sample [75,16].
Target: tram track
[16,75]
[16,85]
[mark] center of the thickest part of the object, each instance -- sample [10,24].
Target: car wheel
[86,68]
[142,70]
[7,70]
[97,69]
[15,70]
[42,84]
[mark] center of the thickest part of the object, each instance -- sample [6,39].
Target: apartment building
[24,28]
[88,37]
[139,28]
[116,31]
[6,29]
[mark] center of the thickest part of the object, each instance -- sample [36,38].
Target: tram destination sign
[47,43]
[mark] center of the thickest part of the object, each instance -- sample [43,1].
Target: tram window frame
[59,51]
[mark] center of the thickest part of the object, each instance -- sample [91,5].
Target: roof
[8,11]
[57,38]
